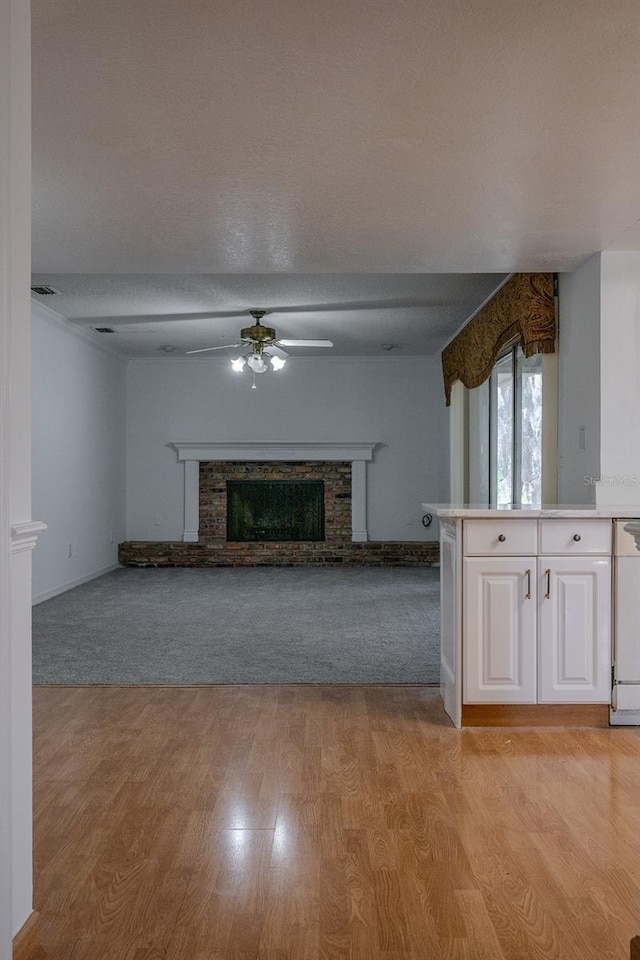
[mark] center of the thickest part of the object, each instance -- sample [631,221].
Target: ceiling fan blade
[277,349]
[226,346]
[306,343]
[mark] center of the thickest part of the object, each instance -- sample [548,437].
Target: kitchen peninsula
[537,605]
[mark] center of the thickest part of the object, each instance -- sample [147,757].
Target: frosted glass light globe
[256,363]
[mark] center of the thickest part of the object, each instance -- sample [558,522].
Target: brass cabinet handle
[547,574]
[528,593]
[502,538]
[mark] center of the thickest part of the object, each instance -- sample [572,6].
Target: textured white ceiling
[416,313]
[302,137]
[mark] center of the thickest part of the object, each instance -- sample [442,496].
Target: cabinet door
[574,630]
[499,635]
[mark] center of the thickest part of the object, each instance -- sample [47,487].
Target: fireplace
[340,467]
[352,457]
[251,505]
[275,510]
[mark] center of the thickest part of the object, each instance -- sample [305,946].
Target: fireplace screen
[275,510]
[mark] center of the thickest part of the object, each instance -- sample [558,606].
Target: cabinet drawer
[575,536]
[493,537]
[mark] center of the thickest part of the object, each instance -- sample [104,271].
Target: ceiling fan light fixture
[277,363]
[257,364]
[264,350]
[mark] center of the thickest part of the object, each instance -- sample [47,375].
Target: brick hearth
[141,553]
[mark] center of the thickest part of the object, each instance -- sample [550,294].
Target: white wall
[78,454]
[398,403]
[579,382]
[15,498]
[620,378]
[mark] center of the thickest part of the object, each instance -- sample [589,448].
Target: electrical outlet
[157,520]
[69,551]
[111,536]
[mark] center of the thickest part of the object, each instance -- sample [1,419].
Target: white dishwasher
[625,700]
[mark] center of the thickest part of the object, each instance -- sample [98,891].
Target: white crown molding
[24,536]
[43,312]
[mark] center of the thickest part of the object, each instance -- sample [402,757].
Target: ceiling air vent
[103,330]
[44,291]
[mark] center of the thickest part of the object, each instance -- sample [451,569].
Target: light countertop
[461,511]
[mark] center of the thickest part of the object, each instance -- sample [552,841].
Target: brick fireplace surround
[212,549]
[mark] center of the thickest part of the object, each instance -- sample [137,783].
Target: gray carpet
[243,625]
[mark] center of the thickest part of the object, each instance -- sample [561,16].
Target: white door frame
[15,188]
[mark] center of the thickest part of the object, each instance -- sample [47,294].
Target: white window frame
[511,350]
[470,451]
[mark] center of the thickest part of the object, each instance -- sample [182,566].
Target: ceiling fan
[260,336]
[264,345]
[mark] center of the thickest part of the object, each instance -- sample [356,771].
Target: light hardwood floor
[325,823]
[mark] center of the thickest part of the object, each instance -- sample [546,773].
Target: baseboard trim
[26,943]
[625,718]
[535,715]
[55,591]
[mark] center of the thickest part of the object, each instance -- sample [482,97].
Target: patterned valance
[522,310]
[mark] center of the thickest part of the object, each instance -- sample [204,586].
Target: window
[515,426]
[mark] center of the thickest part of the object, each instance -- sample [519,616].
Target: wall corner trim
[24,536]
[26,943]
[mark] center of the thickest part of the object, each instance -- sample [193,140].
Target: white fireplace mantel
[357,453]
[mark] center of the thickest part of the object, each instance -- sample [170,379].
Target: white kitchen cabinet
[574,629]
[526,606]
[537,630]
[499,628]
